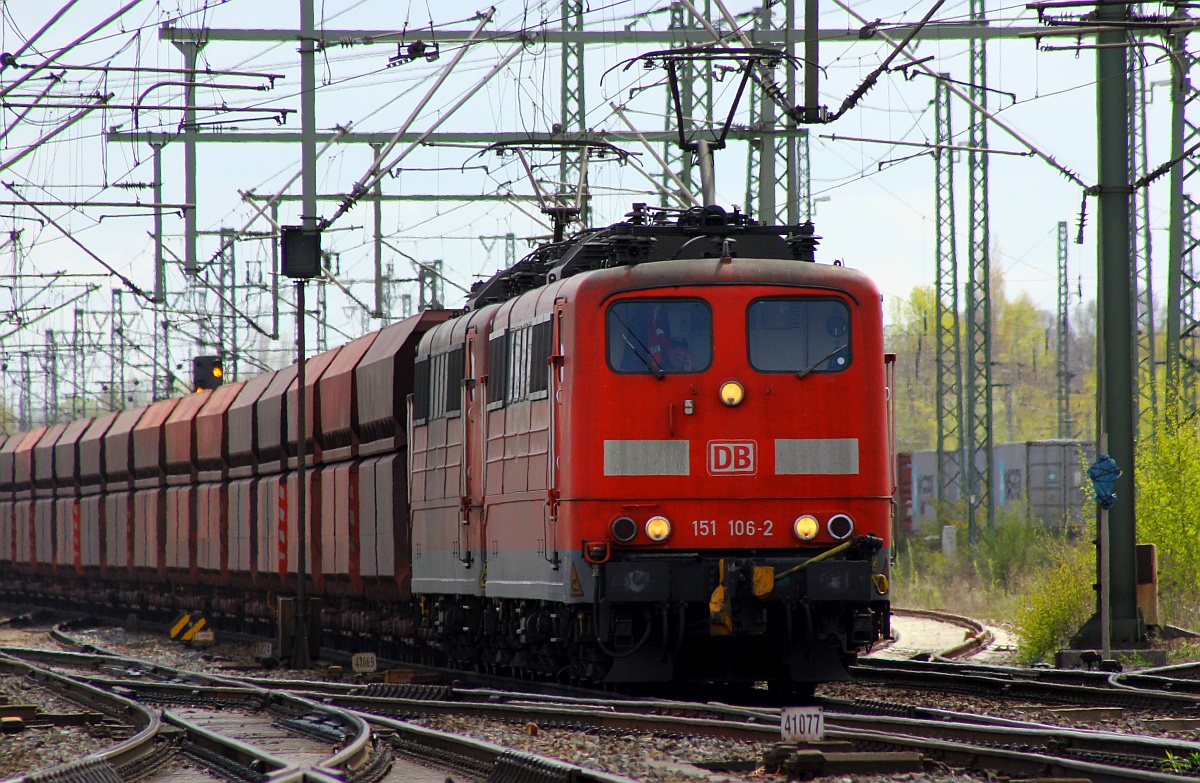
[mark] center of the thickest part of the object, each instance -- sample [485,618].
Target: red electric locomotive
[671,461]
[654,452]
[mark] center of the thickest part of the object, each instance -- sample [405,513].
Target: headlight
[806,527]
[840,526]
[623,529]
[658,528]
[732,393]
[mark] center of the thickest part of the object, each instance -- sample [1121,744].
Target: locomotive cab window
[798,335]
[657,336]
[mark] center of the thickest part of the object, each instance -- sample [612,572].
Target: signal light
[208,372]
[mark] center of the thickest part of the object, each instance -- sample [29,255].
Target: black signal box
[301,252]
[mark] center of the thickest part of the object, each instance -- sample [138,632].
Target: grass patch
[1041,580]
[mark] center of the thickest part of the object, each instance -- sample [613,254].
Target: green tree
[1024,367]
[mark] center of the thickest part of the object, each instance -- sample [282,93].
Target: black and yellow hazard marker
[186,626]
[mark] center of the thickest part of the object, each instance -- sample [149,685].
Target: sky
[874,201]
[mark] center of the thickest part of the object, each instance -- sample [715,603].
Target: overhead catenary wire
[375,171]
[132,286]
[353,197]
[50,59]
[1011,131]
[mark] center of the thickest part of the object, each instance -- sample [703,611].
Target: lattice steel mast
[1182,323]
[949,350]
[978,387]
[1062,329]
[574,109]
[1142,250]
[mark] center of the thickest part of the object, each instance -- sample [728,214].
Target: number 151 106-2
[733,527]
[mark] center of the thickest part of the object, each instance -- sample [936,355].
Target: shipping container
[66,458]
[118,450]
[904,493]
[314,368]
[338,392]
[270,414]
[384,381]
[241,423]
[91,454]
[1038,480]
[1008,478]
[212,446]
[149,447]
[179,437]
[924,491]
[1055,471]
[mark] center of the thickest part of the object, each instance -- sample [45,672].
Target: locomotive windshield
[798,335]
[659,336]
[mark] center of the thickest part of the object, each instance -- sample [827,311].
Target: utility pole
[78,401]
[1116,348]
[978,387]
[375,148]
[190,50]
[308,179]
[50,368]
[1062,324]
[678,160]
[117,354]
[949,350]
[25,398]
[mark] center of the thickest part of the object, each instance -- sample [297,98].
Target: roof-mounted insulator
[804,243]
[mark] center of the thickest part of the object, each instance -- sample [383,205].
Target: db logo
[732,456]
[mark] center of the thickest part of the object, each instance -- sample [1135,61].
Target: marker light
[623,529]
[806,527]
[840,526]
[732,393]
[658,528]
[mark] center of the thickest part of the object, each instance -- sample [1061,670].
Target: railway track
[198,705]
[243,732]
[1012,747]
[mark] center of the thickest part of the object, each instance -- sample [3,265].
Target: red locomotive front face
[728,415]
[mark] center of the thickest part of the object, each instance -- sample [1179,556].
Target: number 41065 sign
[802,724]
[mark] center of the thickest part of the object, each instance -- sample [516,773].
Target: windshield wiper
[818,362]
[650,364]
